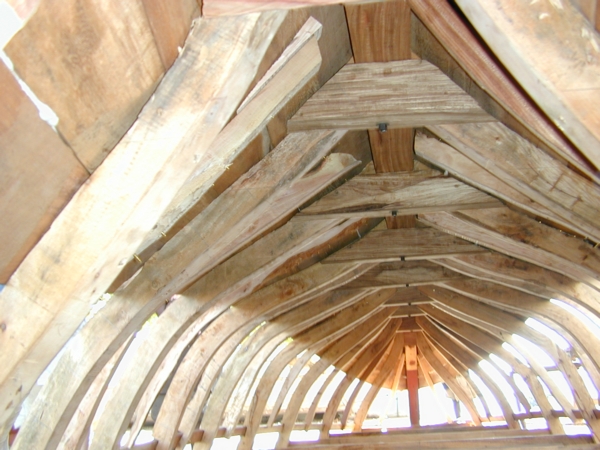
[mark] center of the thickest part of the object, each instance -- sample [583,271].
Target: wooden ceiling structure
[395,187]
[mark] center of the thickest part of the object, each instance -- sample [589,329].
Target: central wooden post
[380,32]
[412,377]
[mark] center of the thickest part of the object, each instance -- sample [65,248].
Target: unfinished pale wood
[390,364]
[566,87]
[170,25]
[519,236]
[403,274]
[408,296]
[466,50]
[530,171]
[284,325]
[460,166]
[380,32]
[448,374]
[405,244]
[330,356]
[217,8]
[399,194]
[246,126]
[407,311]
[110,429]
[471,361]
[34,187]
[400,94]
[95,65]
[131,189]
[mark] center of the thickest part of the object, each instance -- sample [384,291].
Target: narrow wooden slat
[404,244]
[400,94]
[94,64]
[34,187]
[399,194]
[131,189]
[565,87]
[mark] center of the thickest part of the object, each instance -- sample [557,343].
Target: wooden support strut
[412,377]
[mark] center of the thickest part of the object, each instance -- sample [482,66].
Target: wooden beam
[34,188]
[465,50]
[519,236]
[218,8]
[408,296]
[565,87]
[460,166]
[380,32]
[412,378]
[132,189]
[403,274]
[398,194]
[530,171]
[97,91]
[407,311]
[400,94]
[404,245]
[274,91]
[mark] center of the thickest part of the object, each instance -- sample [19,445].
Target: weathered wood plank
[530,171]
[407,296]
[217,8]
[406,273]
[95,64]
[566,87]
[34,186]
[400,94]
[399,194]
[404,245]
[131,189]
[460,166]
[170,24]
[466,50]
[519,236]
[246,126]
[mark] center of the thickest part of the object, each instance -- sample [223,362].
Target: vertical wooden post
[380,32]
[412,377]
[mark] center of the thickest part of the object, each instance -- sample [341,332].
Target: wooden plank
[400,94]
[390,364]
[131,189]
[460,166]
[404,274]
[217,8]
[380,32]
[328,357]
[404,245]
[407,311]
[519,236]
[170,25]
[530,171]
[95,65]
[237,135]
[564,87]
[398,194]
[412,378]
[408,296]
[466,50]
[34,187]
[113,425]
